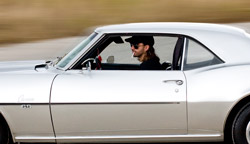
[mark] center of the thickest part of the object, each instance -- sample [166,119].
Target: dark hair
[150,54]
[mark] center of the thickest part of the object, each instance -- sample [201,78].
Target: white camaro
[97,92]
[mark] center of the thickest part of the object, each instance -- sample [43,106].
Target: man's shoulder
[151,64]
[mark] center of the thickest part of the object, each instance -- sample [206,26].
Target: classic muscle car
[97,92]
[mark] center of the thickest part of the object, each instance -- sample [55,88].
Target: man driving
[142,48]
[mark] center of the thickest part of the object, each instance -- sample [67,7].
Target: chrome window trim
[85,51]
[185,52]
[100,36]
[88,46]
[129,33]
[184,58]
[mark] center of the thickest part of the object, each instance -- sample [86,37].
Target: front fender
[24,103]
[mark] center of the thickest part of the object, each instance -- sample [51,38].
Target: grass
[29,20]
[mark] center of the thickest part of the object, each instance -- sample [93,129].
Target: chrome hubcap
[248,132]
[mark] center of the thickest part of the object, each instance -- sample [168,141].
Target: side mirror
[110,59]
[86,65]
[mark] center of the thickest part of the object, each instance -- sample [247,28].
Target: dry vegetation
[28,20]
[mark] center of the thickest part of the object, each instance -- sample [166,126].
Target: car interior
[113,53]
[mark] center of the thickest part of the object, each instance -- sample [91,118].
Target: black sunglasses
[135,46]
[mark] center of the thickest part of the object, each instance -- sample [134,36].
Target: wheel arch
[3,120]
[233,113]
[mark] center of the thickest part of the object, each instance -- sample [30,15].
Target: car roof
[231,44]
[178,27]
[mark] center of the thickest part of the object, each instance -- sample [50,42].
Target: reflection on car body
[97,92]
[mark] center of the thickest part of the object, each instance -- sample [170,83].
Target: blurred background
[32,20]
[23,21]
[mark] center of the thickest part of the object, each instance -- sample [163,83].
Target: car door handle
[178,82]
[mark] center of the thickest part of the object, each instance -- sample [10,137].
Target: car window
[197,56]
[118,56]
[72,54]
[122,53]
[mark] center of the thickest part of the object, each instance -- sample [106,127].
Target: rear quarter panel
[211,94]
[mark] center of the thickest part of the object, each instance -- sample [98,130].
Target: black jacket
[151,64]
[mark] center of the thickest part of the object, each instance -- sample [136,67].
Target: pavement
[38,50]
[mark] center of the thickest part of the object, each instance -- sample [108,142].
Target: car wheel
[4,134]
[241,127]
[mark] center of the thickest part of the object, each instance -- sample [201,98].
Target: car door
[101,103]
[97,104]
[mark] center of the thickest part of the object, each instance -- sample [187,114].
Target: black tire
[239,126]
[5,137]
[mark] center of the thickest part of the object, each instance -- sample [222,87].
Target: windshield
[72,54]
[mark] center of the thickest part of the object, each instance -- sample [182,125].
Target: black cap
[146,40]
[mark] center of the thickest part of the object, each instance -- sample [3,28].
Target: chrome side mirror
[86,65]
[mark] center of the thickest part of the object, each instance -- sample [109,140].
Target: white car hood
[8,66]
